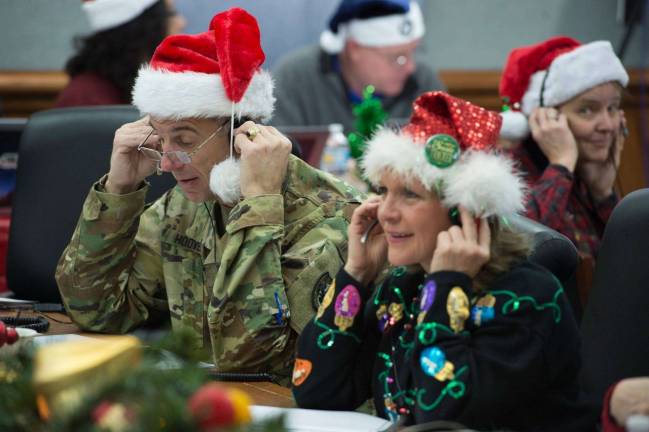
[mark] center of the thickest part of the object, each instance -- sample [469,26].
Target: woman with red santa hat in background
[563,100]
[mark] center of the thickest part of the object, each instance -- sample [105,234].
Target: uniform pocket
[306,286]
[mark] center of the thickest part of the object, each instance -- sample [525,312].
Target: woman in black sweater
[463,328]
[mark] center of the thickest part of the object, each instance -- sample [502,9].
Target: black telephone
[454,215]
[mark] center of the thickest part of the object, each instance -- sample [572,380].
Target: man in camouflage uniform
[243,272]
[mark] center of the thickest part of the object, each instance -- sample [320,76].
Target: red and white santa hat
[550,73]
[203,75]
[449,145]
[106,14]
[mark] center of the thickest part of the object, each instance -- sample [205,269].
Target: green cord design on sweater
[427,332]
[327,338]
[383,378]
[454,389]
[514,302]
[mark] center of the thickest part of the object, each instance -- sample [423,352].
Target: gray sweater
[311,92]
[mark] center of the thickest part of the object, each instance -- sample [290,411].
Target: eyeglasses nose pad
[183,157]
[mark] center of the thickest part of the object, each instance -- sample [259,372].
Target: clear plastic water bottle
[335,156]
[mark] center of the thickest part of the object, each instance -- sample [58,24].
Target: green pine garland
[369,115]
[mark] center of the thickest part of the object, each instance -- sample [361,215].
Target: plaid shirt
[560,200]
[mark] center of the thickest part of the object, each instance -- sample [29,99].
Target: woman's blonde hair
[508,248]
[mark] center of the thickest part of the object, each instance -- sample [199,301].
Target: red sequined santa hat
[202,75]
[449,145]
[550,73]
[107,14]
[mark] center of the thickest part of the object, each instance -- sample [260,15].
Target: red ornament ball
[212,407]
[8,335]
[3,333]
[12,335]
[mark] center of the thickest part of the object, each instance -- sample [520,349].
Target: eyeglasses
[397,60]
[176,156]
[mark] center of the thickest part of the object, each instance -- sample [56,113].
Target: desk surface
[261,393]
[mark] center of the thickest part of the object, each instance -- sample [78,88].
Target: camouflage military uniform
[127,264]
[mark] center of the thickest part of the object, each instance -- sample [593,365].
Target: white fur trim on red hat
[396,151]
[483,182]
[387,30]
[176,95]
[106,14]
[573,73]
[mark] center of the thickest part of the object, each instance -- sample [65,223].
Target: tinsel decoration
[369,115]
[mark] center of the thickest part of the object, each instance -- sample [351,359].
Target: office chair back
[550,249]
[62,153]
[555,252]
[615,327]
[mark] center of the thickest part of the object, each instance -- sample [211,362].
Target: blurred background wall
[461,34]
[467,41]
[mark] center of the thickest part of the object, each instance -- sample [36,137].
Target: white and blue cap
[374,23]
[107,14]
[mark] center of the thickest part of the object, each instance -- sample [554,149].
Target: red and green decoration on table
[8,335]
[139,396]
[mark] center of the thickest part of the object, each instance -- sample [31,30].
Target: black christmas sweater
[427,347]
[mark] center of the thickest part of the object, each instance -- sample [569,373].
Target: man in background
[367,43]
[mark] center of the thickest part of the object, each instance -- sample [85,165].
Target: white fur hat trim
[483,182]
[176,95]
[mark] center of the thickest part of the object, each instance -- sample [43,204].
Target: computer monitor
[11,130]
[311,139]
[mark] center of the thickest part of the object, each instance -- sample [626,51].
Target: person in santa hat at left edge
[241,250]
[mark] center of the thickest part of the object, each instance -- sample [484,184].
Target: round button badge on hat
[442,150]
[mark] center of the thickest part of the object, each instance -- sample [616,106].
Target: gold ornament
[67,373]
[457,306]
[327,299]
[396,311]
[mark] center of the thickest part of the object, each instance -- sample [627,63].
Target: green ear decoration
[442,150]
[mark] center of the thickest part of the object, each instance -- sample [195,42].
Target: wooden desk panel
[265,393]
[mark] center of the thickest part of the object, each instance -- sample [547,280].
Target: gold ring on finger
[252,133]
